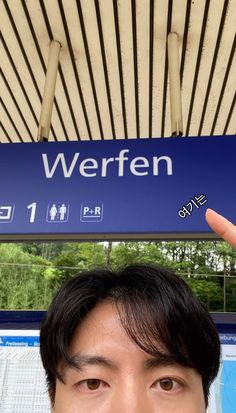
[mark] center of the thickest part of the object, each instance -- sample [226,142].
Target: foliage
[208,292]
[31,273]
[22,279]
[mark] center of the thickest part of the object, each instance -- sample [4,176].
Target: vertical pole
[49,91]
[175,90]
[224,288]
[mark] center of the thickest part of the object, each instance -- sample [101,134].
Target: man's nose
[132,400]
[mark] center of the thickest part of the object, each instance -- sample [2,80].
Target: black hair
[156,307]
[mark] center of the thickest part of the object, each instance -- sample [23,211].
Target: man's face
[115,376]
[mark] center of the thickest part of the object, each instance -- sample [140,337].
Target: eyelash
[82,384]
[176,383]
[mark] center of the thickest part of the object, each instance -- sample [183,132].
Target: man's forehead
[102,332]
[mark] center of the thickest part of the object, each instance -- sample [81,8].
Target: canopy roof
[113,74]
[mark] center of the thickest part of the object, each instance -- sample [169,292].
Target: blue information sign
[128,188]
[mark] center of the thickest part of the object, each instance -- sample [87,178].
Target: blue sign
[127,188]
[19,341]
[223,390]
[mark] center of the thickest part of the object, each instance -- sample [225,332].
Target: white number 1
[33,211]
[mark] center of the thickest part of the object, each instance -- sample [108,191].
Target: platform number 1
[32,207]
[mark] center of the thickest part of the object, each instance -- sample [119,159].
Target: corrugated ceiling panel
[228,103]
[97,72]
[159,51]
[219,70]
[42,42]
[125,28]
[196,32]
[207,53]
[66,95]
[113,73]
[14,67]
[143,30]
[110,46]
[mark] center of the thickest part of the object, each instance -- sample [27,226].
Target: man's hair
[157,311]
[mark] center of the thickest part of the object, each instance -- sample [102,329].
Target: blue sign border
[129,189]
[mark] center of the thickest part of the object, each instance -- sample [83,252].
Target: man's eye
[91,384]
[167,384]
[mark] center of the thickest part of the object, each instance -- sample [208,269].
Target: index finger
[221,226]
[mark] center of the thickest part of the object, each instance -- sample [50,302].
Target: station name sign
[136,188]
[90,167]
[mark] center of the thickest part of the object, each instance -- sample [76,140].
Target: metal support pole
[224,290]
[175,91]
[49,91]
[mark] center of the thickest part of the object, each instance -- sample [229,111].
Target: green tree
[208,292]
[76,257]
[31,273]
[22,281]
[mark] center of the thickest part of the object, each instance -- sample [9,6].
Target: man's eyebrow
[81,361]
[159,360]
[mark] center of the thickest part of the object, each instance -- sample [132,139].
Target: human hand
[221,226]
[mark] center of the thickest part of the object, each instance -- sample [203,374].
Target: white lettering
[121,158]
[97,210]
[135,163]
[83,166]
[90,167]
[156,161]
[60,158]
[105,162]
